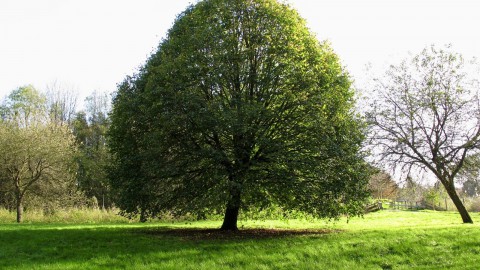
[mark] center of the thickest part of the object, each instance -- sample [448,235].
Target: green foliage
[24,106]
[93,158]
[432,196]
[240,106]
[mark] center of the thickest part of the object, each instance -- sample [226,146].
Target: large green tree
[240,107]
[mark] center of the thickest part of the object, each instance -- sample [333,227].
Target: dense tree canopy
[241,107]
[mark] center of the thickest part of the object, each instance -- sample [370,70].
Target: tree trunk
[458,203]
[143,216]
[231,213]
[19,210]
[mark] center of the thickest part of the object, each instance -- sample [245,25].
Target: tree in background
[436,197]
[426,115]
[240,107]
[382,186]
[412,191]
[36,156]
[471,186]
[24,106]
[470,176]
[90,128]
[62,101]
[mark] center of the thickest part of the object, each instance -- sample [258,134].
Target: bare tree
[382,186]
[62,102]
[426,115]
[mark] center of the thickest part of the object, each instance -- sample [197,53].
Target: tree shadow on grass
[245,234]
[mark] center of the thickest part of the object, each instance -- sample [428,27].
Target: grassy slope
[384,240]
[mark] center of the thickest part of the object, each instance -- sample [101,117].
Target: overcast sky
[93,44]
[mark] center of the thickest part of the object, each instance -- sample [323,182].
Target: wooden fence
[373,207]
[403,205]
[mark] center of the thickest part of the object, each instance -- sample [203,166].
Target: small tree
[432,196]
[34,154]
[426,114]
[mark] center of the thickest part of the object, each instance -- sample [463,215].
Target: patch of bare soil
[244,234]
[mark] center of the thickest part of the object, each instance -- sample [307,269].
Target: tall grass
[70,215]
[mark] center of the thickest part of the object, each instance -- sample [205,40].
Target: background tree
[240,107]
[436,197]
[426,115]
[90,129]
[24,106]
[62,101]
[382,186]
[412,191]
[470,176]
[35,155]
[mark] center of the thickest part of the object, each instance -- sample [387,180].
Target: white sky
[93,44]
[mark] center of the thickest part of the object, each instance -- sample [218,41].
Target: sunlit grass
[382,240]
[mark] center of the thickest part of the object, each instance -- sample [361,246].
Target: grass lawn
[382,240]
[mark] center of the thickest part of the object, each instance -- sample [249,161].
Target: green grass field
[382,240]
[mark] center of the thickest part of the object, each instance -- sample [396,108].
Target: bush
[474,205]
